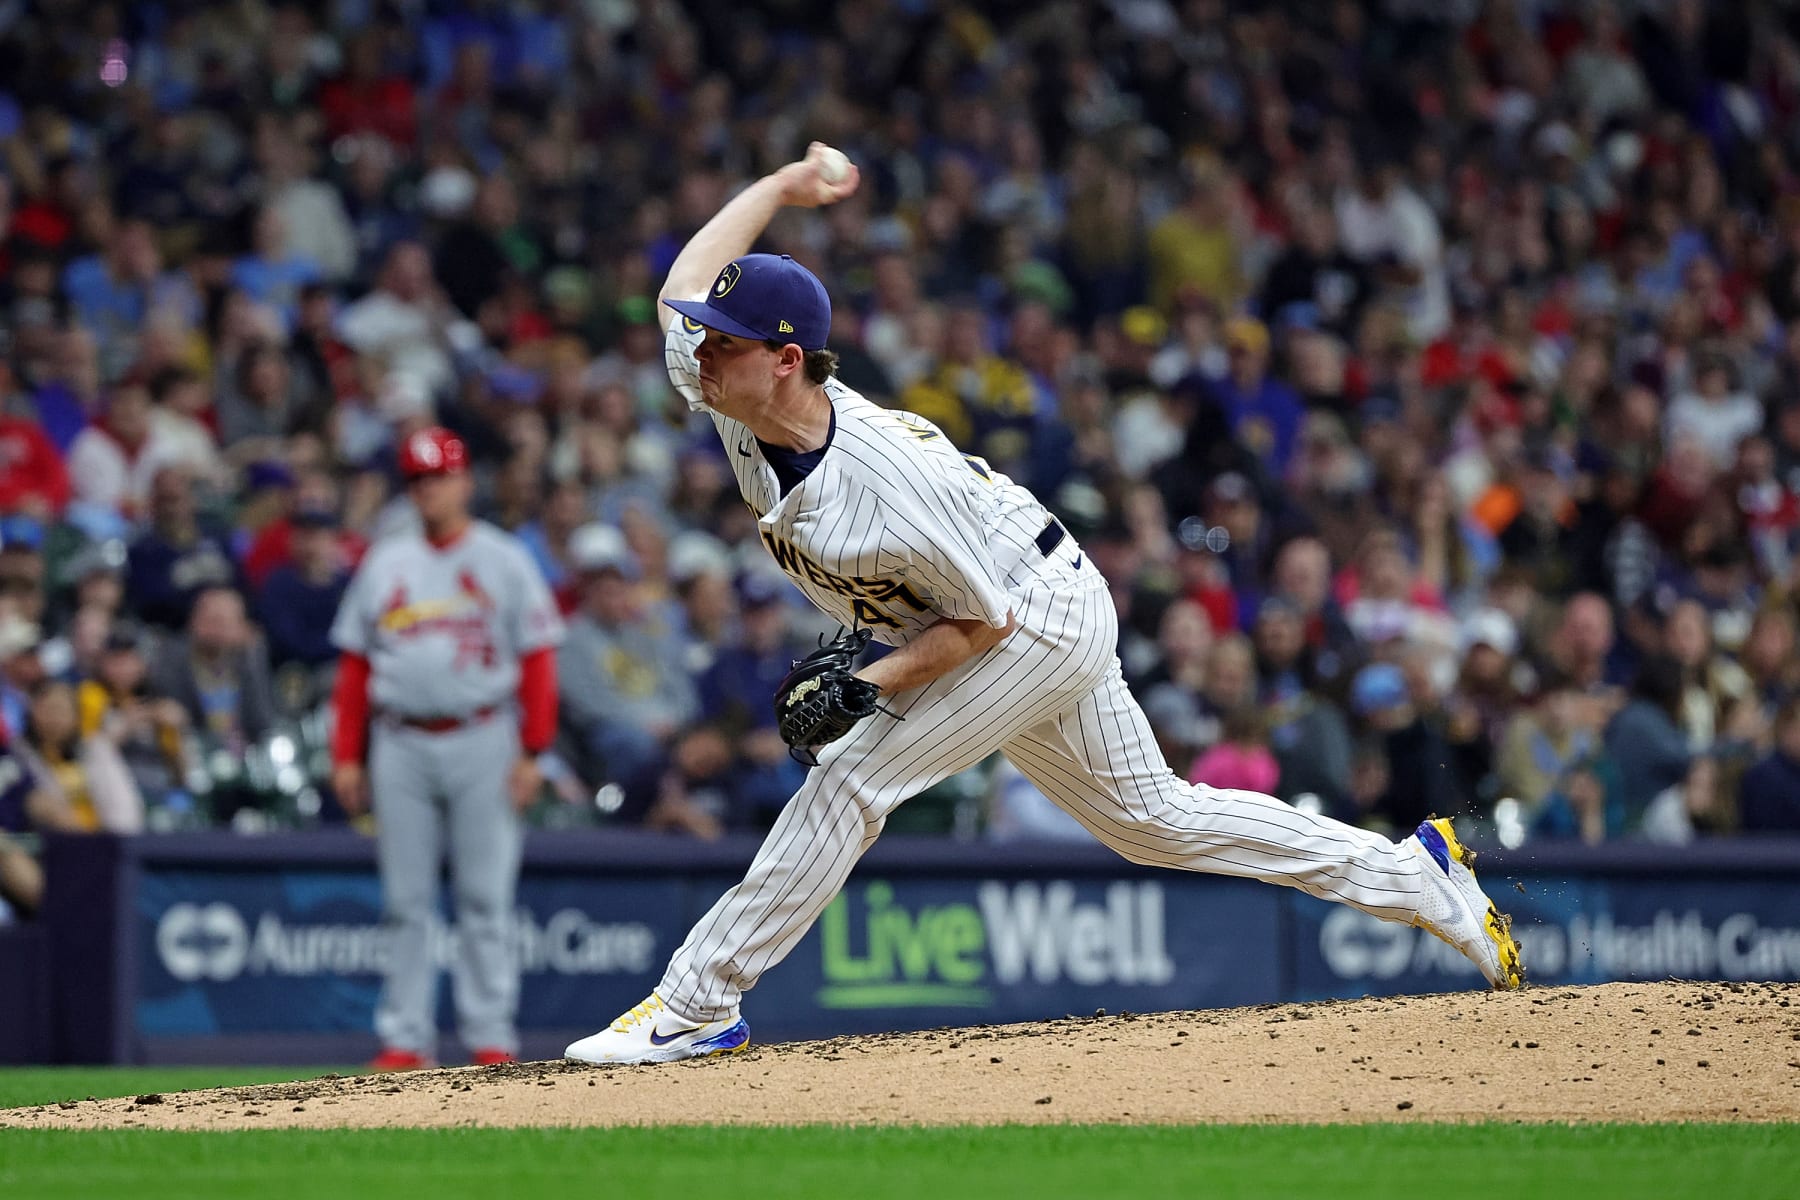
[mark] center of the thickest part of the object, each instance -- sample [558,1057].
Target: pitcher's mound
[1619,1052]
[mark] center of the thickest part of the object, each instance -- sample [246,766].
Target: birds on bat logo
[467,606]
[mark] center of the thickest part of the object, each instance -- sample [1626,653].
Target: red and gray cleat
[491,1056]
[391,1059]
[1455,908]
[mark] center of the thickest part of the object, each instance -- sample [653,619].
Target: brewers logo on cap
[727,279]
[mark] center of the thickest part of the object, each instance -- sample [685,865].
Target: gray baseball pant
[434,792]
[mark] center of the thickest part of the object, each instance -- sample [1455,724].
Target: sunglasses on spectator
[18,583]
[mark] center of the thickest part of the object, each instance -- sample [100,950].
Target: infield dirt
[1617,1052]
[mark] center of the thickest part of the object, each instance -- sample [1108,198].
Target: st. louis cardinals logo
[465,616]
[470,587]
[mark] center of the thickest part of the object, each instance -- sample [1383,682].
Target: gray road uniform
[444,631]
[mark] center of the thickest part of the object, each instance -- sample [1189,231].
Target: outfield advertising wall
[172,948]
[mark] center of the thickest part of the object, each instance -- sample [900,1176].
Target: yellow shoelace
[639,1012]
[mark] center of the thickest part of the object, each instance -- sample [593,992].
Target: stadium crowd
[1425,378]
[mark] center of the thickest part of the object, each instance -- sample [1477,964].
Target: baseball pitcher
[1004,633]
[447,675]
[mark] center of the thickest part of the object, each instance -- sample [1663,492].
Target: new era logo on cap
[751,290]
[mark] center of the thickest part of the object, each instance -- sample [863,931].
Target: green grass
[1382,1162]
[47,1085]
[1377,1162]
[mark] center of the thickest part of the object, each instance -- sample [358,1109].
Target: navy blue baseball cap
[765,297]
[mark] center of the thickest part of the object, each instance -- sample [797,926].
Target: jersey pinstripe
[895,528]
[894,520]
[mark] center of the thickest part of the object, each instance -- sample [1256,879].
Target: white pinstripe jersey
[895,527]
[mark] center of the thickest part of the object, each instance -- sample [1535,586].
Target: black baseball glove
[820,700]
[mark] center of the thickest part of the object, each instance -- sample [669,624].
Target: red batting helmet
[433,451]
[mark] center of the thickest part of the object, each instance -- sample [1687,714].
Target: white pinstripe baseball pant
[1051,698]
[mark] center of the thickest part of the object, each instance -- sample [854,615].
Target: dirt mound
[1620,1052]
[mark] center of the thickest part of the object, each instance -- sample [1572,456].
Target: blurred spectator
[94,577]
[1716,702]
[980,399]
[1386,600]
[22,570]
[67,385]
[1195,251]
[1769,801]
[21,667]
[32,477]
[1386,226]
[1485,696]
[173,559]
[404,321]
[272,273]
[1174,691]
[300,598]
[1770,657]
[1411,779]
[547,538]
[260,402]
[1225,299]
[1314,280]
[477,256]
[149,730]
[1543,746]
[624,691]
[1264,412]
[1645,741]
[1715,414]
[1302,575]
[218,671]
[17,783]
[1307,732]
[81,783]
[735,696]
[1582,646]
[1240,760]
[179,423]
[112,293]
[114,461]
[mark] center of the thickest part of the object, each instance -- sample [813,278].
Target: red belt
[445,724]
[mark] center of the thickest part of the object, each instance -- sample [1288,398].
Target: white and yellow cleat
[1458,911]
[650,1033]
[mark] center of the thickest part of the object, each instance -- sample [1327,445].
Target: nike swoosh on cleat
[657,1039]
[1078,560]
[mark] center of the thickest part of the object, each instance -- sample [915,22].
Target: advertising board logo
[1357,946]
[217,943]
[202,941]
[878,952]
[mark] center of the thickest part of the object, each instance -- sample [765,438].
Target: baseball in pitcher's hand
[351,787]
[803,183]
[524,783]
